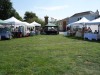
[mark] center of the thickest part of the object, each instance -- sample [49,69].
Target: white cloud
[52,8]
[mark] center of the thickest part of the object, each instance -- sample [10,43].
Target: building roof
[50,24]
[82,13]
[65,19]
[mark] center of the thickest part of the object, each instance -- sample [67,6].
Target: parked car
[5,33]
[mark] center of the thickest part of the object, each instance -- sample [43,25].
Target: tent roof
[13,20]
[26,23]
[83,20]
[96,21]
[3,22]
[51,24]
[35,24]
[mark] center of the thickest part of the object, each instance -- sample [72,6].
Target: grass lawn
[49,55]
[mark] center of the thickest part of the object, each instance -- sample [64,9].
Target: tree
[28,16]
[15,14]
[5,9]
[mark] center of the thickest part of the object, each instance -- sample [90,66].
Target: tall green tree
[15,14]
[5,9]
[30,17]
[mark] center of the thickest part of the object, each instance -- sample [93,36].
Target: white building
[88,14]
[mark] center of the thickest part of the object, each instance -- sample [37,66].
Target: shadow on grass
[82,39]
[73,37]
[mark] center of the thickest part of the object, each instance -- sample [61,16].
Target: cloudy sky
[57,9]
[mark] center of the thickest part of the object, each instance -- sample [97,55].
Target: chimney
[46,20]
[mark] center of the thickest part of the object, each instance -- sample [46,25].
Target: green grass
[49,55]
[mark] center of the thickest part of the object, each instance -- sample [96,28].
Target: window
[79,19]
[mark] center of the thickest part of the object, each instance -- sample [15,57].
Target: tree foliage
[31,17]
[7,10]
[15,14]
[28,16]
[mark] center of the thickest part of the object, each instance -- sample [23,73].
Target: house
[90,15]
[62,24]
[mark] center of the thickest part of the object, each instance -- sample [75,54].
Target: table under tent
[51,28]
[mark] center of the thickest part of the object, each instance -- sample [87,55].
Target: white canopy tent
[94,25]
[16,23]
[26,23]
[80,22]
[83,20]
[93,22]
[35,24]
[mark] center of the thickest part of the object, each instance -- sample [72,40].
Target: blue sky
[57,9]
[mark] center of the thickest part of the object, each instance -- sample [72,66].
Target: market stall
[18,27]
[5,32]
[76,28]
[37,27]
[95,26]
